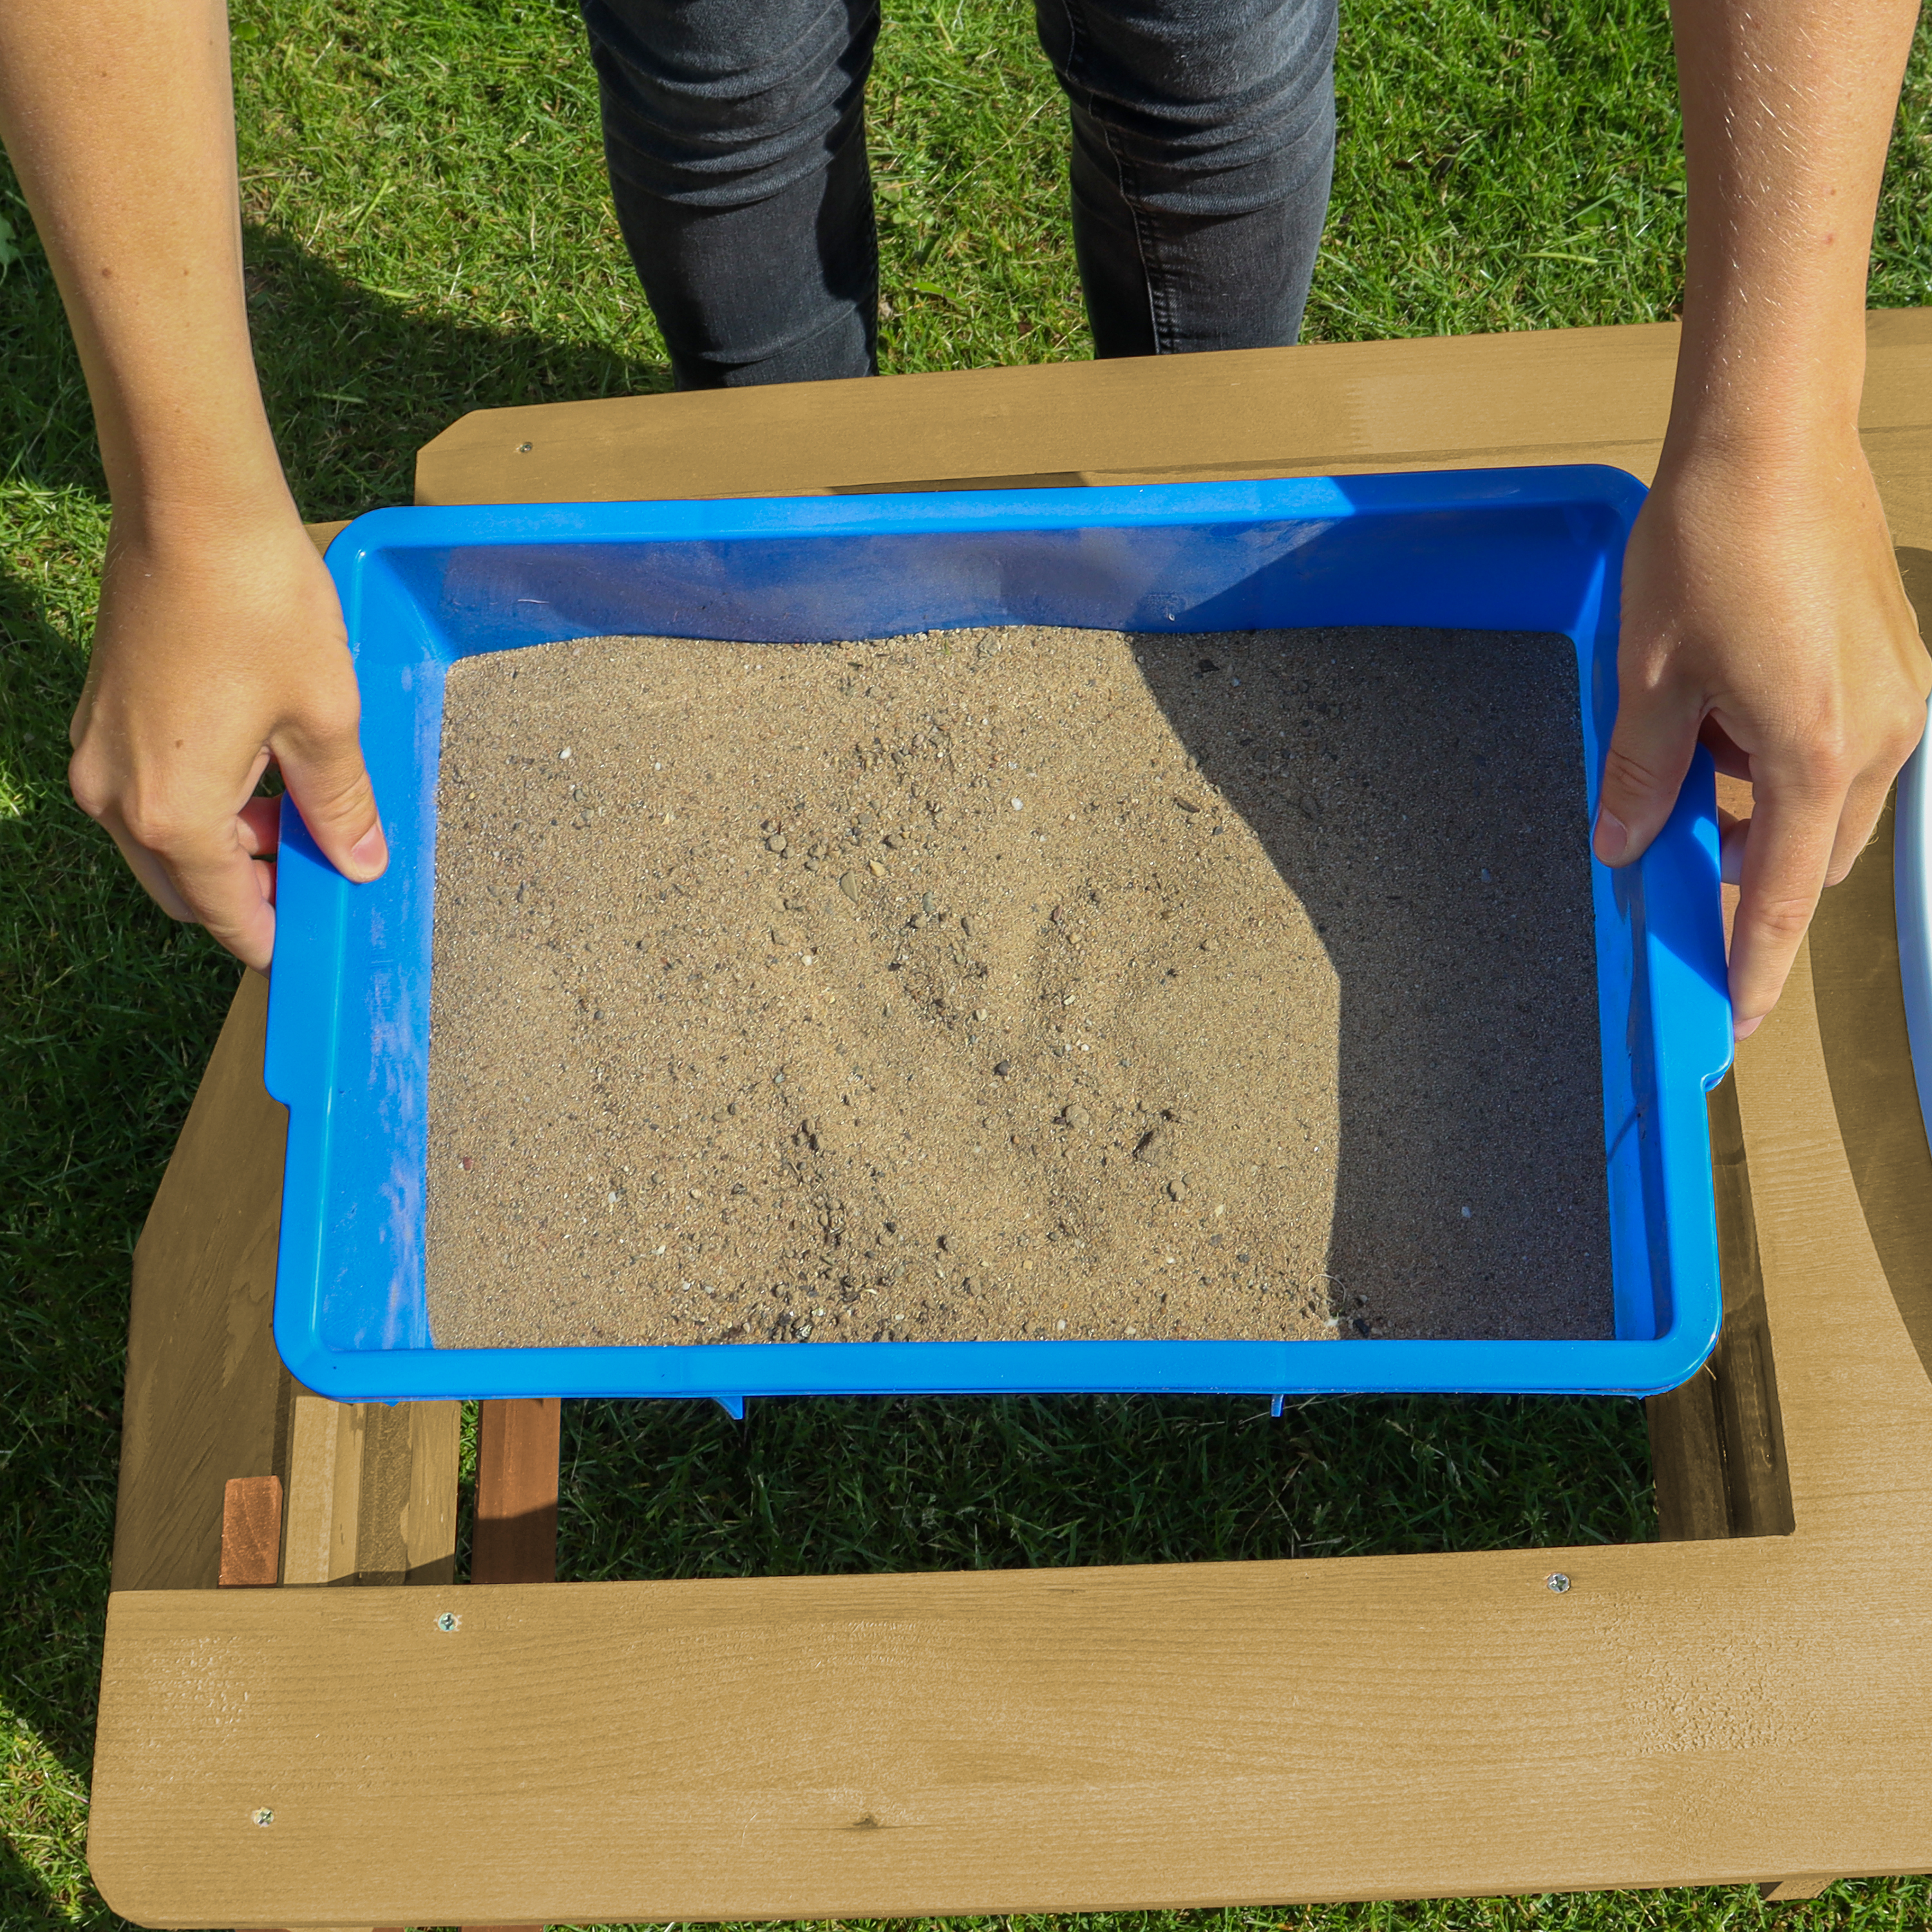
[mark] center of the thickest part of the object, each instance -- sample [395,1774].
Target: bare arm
[220,642]
[1762,608]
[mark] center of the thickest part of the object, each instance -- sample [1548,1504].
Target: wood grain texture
[1687,1460]
[373,1493]
[1593,395]
[324,1491]
[1845,1304]
[205,1385]
[251,1532]
[514,1539]
[208,1399]
[406,1513]
[1038,1741]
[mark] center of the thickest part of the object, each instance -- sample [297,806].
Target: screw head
[262,1815]
[1557,1581]
[450,1621]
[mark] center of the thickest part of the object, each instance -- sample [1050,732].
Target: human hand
[1762,614]
[219,649]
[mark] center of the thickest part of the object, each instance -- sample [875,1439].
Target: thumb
[1651,746]
[323,770]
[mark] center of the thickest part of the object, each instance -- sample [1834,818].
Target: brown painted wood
[205,1385]
[1591,395]
[514,1539]
[251,1532]
[1687,1461]
[208,1399]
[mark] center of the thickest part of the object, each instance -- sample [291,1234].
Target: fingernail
[1743,1029]
[1613,836]
[369,855]
[1732,853]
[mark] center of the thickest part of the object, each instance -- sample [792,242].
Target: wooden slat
[407,1513]
[1599,395]
[251,1532]
[1781,1890]
[1037,1740]
[514,1540]
[324,1491]
[208,1400]
[373,1493]
[1687,1461]
[205,1385]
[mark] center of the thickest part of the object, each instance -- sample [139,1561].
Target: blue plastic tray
[1528,549]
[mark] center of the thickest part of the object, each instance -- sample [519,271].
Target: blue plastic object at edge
[1528,549]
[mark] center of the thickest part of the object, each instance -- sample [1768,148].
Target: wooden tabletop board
[1726,1707]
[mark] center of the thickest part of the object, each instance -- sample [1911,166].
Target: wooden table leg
[515,1538]
[514,1541]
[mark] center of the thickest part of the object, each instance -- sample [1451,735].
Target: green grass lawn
[428,233]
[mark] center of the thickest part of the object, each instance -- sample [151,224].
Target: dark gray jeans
[1203,138]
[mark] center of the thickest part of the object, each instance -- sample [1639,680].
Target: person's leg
[734,131]
[1203,140]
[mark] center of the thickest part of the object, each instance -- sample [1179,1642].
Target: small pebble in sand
[849,885]
[1177,1190]
[1004,1067]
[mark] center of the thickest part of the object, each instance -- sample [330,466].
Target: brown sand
[1014,982]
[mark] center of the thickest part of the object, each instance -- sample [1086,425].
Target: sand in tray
[1015,983]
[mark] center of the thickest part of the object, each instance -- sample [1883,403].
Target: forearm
[119,116]
[1788,106]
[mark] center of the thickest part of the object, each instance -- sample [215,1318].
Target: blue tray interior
[1528,549]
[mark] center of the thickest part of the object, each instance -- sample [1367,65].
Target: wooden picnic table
[1747,1700]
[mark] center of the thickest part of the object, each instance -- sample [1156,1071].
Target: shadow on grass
[356,382]
[837,1486]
